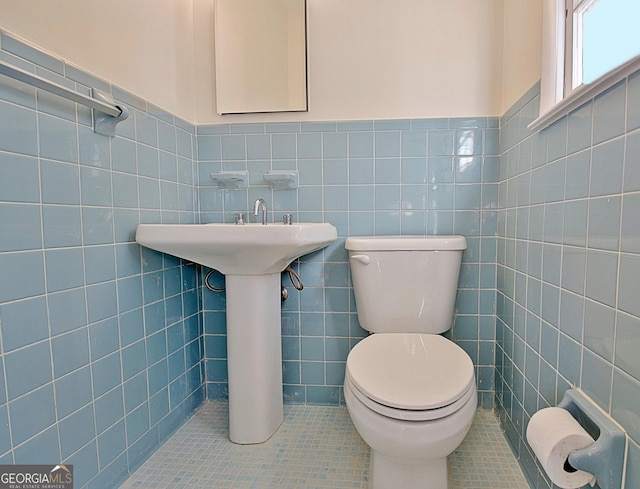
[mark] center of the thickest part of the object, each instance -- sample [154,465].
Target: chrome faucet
[261,205]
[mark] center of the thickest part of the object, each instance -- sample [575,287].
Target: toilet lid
[407,414]
[410,371]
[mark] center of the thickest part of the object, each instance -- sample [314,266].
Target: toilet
[410,392]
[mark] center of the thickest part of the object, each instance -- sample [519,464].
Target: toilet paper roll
[553,434]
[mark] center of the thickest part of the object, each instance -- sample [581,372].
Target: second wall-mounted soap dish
[280,180]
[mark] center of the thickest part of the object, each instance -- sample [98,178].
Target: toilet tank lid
[405,243]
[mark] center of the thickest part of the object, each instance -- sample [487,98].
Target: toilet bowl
[411,422]
[410,392]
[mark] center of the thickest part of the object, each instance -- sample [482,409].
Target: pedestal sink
[252,256]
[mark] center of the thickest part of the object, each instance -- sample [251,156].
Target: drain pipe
[296,281]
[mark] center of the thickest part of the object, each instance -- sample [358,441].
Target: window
[588,46]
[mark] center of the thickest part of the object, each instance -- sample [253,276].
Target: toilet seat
[408,414]
[381,373]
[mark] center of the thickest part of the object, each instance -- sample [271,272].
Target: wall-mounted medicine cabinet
[260,56]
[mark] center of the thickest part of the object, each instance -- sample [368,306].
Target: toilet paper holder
[606,458]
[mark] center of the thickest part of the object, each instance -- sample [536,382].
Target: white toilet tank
[405,284]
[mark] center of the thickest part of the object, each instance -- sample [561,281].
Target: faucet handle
[287,219]
[239,217]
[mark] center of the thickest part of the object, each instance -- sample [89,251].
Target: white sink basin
[249,249]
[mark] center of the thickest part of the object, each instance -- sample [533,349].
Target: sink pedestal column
[254,356]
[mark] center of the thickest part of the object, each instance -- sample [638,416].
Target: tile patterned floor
[316,447]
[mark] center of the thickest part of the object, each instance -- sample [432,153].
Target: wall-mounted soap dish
[230,179]
[278,180]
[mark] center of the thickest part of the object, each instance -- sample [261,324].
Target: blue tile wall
[382,177]
[568,265]
[100,341]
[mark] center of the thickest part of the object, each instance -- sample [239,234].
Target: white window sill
[585,93]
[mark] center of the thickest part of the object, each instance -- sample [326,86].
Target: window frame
[574,12]
[556,100]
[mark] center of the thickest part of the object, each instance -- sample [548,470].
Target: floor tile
[316,447]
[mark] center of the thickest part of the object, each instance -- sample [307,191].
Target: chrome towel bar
[109,113]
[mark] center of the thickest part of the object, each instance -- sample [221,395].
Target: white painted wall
[382,59]
[143,46]
[368,59]
[522,55]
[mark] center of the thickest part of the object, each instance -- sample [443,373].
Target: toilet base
[387,473]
